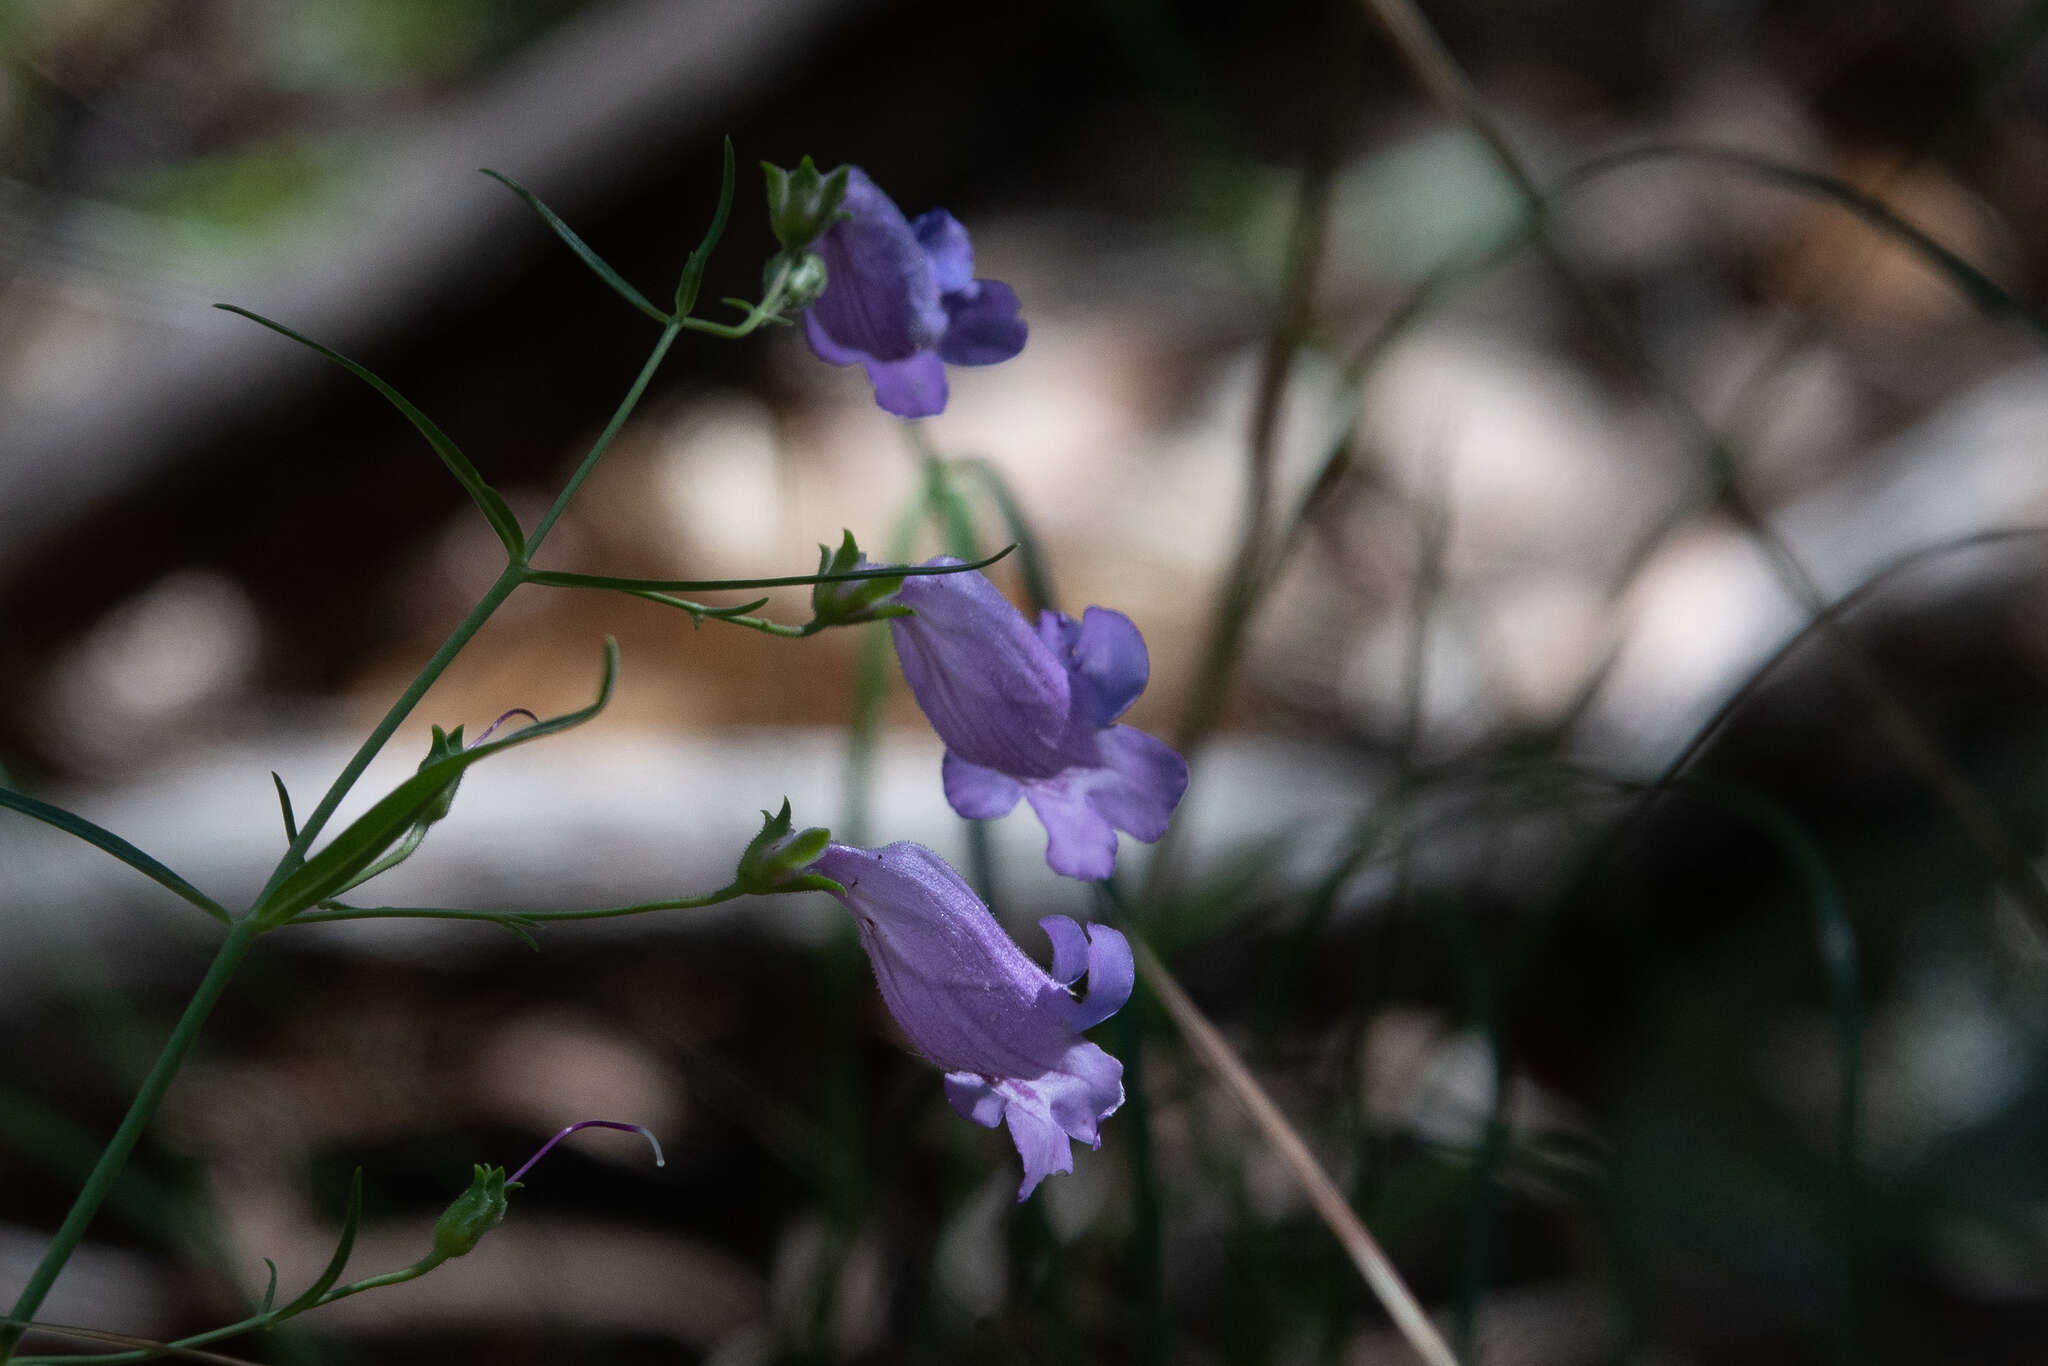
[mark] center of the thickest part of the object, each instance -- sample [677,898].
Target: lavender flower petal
[912,387]
[1031,710]
[1105,658]
[947,247]
[823,346]
[901,299]
[983,325]
[1069,948]
[974,1098]
[1141,781]
[977,793]
[880,297]
[1040,1140]
[1079,840]
[993,692]
[1006,1033]
[1102,952]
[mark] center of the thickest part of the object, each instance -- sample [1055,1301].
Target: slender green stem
[1148,1216]
[243,932]
[410,1273]
[254,1323]
[552,578]
[233,948]
[605,437]
[769,310]
[395,717]
[514,574]
[140,1349]
[1236,603]
[690,903]
[699,613]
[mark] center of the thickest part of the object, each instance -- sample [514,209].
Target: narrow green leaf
[284,804]
[693,268]
[580,247]
[519,928]
[952,518]
[326,873]
[1031,558]
[487,499]
[109,842]
[269,1291]
[740,610]
[336,1264]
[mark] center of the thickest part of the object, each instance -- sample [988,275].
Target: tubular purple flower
[1032,714]
[1006,1031]
[901,299]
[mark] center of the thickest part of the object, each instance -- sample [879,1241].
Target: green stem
[411,1273]
[141,1110]
[769,310]
[605,437]
[254,1323]
[691,903]
[555,578]
[402,708]
[243,933]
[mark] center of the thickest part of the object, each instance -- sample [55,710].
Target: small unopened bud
[803,277]
[778,857]
[444,745]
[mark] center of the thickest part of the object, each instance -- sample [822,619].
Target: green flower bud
[776,858]
[802,203]
[475,1212]
[444,745]
[805,279]
[852,600]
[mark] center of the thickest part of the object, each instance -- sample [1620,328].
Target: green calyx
[850,602]
[443,745]
[776,859]
[802,203]
[474,1213]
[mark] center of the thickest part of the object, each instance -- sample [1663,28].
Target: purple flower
[1032,714]
[1007,1033]
[901,298]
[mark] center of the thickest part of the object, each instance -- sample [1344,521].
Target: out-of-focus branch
[1330,1205]
[1440,75]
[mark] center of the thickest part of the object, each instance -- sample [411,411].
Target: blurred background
[1751,1066]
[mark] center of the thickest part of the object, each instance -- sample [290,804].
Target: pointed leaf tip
[351,1219]
[598,265]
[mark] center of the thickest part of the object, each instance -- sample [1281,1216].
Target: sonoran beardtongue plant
[901,300]
[1006,1031]
[1031,713]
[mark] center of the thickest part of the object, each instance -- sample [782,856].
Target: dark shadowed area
[1596,576]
